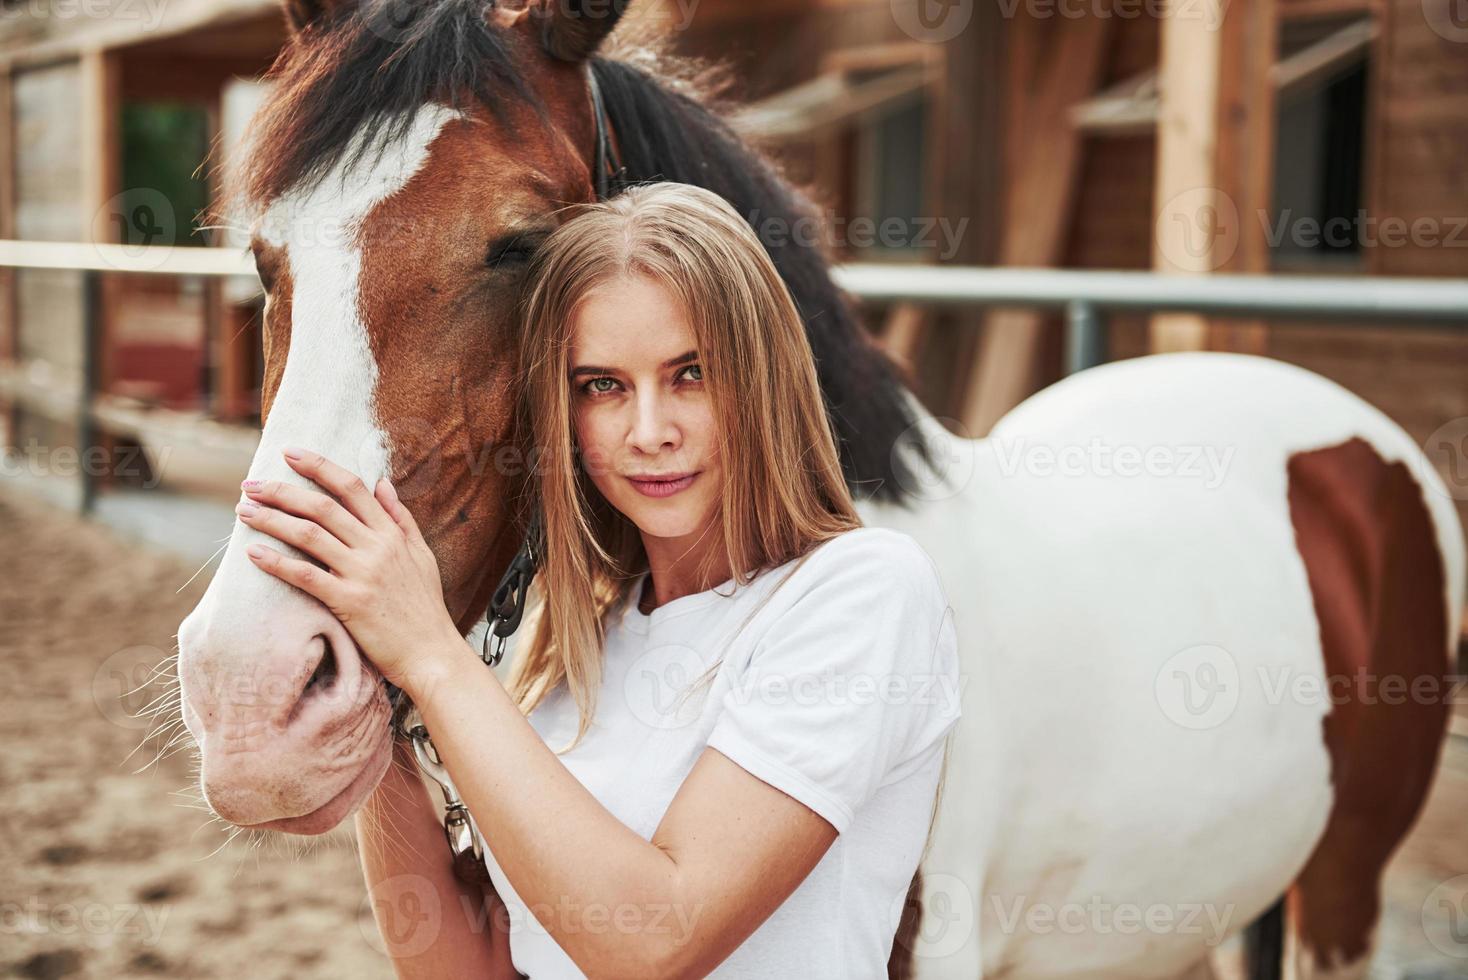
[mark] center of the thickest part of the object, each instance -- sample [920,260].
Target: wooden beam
[182,78]
[1056,65]
[1316,65]
[1378,132]
[828,102]
[229,340]
[9,308]
[101,131]
[968,131]
[1215,149]
[172,21]
[1128,108]
[1317,9]
[1131,106]
[101,149]
[902,333]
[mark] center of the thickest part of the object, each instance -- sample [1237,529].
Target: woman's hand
[381,580]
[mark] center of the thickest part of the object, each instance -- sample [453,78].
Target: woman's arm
[432,925]
[731,848]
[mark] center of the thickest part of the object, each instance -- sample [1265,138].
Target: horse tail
[1264,944]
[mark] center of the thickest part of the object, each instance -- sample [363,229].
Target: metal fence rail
[1085,297]
[132,259]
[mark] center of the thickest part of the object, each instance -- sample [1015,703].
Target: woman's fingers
[345,485]
[302,574]
[387,495]
[306,535]
[313,505]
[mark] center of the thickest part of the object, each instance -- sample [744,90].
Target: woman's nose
[654,427]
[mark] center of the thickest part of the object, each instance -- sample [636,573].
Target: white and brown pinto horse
[1183,583]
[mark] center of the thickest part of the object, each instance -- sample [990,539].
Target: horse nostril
[325,674]
[322,680]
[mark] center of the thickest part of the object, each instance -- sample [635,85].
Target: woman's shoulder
[875,544]
[875,555]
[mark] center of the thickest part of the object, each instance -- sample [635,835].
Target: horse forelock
[361,73]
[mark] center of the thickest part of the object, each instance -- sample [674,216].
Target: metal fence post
[1085,336]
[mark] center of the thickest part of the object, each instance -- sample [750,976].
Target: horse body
[1142,767]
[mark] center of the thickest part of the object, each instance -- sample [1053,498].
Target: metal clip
[503,618]
[458,826]
[430,763]
[507,606]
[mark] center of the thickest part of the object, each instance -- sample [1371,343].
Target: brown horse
[404,168]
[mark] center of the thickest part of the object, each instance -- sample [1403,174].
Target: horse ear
[301,14]
[572,30]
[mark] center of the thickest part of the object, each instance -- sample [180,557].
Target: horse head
[398,178]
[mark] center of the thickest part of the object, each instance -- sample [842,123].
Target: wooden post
[88,436]
[228,341]
[9,307]
[1054,65]
[101,158]
[101,153]
[1215,157]
[969,129]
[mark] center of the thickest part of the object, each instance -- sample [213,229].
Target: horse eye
[510,251]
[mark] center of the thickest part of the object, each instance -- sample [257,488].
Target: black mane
[375,63]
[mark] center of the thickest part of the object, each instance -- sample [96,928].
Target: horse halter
[507,605]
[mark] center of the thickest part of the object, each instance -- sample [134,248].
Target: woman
[742,683]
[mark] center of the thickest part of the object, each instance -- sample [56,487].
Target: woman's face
[642,413]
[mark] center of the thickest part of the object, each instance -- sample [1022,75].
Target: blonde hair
[784,491]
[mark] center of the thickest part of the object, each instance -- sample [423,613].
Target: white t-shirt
[839,691]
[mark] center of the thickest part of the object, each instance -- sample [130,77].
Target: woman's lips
[662,488]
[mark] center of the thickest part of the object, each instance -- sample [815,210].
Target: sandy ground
[105,872]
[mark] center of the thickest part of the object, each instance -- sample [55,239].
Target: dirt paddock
[105,872]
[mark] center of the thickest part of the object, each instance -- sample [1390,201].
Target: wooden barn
[1197,136]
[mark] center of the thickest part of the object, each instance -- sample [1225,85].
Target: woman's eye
[599,386]
[697,372]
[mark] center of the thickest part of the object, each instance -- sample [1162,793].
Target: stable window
[1316,217]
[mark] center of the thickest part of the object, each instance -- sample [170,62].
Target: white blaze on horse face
[247,618]
[325,398]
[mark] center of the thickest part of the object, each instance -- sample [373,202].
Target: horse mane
[369,67]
